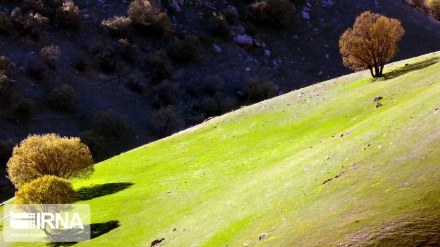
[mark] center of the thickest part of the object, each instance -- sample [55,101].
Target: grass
[320,166]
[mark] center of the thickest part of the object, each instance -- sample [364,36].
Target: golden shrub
[49,154]
[46,190]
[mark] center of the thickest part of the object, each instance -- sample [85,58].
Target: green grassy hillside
[320,166]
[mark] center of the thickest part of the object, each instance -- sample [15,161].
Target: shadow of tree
[87,193]
[96,230]
[410,67]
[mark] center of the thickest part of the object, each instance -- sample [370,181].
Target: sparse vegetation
[258,89]
[118,25]
[185,50]
[276,14]
[371,43]
[63,98]
[49,154]
[160,66]
[51,54]
[144,18]
[167,120]
[22,107]
[68,15]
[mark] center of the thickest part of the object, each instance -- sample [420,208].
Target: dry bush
[117,25]
[30,23]
[5,65]
[51,54]
[22,107]
[160,65]
[104,57]
[166,93]
[434,6]
[4,84]
[80,61]
[271,13]
[49,154]
[6,24]
[109,124]
[185,50]
[35,5]
[257,89]
[144,18]
[218,25]
[68,15]
[47,189]
[129,51]
[167,120]
[63,98]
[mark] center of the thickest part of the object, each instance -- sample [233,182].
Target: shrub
[371,43]
[6,24]
[166,93]
[51,54]
[160,65]
[105,58]
[231,14]
[47,189]
[129,51]
[434,5]
[36,5]
[79,61]
[271,13]
[63,98]
[22,107]
[218,25]
[111,125]
[257,89]
[136,82]
[185,50]
[95,142]
[117,25]
[30,23]
[144,18]
[68,15]
[167,121]
[49,154]
[4,83]
[5,65]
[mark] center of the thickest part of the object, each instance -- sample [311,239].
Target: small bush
[129,51]
[6,24]
[51,54]
[22,107]
[144,18]
[4,83]
[185,50]
[160,65]
[434,6]
[218,25]
[136,82]
[271,13]
[79,61]
[105,58]
[231,14]
[63,98]
[111,125]
[257,89]
[30,23]
[68,15]
[5,65]
[167,120]
[117,25]
[35,5]
[47,189]
[166,93]
[49,154]
[95,142]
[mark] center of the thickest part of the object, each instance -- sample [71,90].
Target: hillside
[320,166]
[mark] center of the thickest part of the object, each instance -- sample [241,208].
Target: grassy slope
[262,168]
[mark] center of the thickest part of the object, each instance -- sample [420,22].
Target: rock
[378,105]
[86,16]
[276,64]
[156,242]
[320,73]
[266,53]
[377,98]
[247,69]
[244,40]
[327,56]
[217,48]
[175,7]
[262,236]
[239,29]
[209,5]
[305,15]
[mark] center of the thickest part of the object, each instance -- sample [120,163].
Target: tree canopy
[371,43]
[49,154]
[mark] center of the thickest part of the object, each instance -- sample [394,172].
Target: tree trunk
[377,71]
[371,71]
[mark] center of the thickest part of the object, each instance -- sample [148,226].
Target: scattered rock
[436,111]
[86,16]
[305,15]
[378,105]
[377,98]
[217,48]
[244,40]
[262,236]
[276,64]
[175,229]
[247,69]
[156,242]
[266,53]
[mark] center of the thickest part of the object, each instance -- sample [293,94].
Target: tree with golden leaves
[49,154]
[371,43]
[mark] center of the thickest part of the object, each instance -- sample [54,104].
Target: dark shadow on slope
[87,193]
[96,230]
[410,67]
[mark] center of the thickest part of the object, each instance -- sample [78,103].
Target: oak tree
[371,43]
